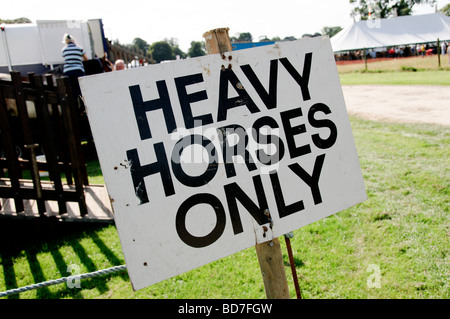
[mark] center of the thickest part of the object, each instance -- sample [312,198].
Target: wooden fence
[53,131]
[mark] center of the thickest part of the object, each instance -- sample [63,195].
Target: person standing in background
[73,63]
[119,65]
[447,49]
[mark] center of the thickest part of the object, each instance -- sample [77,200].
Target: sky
[188,20]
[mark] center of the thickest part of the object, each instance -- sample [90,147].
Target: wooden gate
[53,131]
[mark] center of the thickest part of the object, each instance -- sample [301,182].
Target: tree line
[168,49]
[381,9]
[15,21]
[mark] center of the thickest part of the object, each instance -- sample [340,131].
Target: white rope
[62,280]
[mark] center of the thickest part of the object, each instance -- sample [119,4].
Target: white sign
[196,152]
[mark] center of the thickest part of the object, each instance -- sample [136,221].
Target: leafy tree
[161,51]
[446,10]
[331,31]
[196,49]
[277,38]
[290,38]
[379,8]
[309,35]
[245,37]
[264,39]
[384,8]
[361,9]
[173,42]
[177,51]
[140,44]
[402,8]
[165,50]
[15,21]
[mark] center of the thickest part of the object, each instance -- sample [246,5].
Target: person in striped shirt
[73,63]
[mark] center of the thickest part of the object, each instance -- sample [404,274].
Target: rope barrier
[64,279]
[124,267]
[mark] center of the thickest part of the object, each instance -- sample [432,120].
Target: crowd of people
[424,49]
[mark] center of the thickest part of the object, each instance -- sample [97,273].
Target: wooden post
[14,169]
[19,94]
[365,58]
[62,148]
[48,139]
[269,253]
[272,269]
[217,41]
[439,52]
[67,107]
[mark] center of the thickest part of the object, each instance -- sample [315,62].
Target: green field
[405,71]
[401,230]
[394,245]
[397,78]
[413,64]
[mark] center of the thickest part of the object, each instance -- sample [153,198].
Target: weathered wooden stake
[269,253]
[272,269]
[217,41]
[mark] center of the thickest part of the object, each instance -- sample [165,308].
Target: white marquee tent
[402,30]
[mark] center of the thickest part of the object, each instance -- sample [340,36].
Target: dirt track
[402,103]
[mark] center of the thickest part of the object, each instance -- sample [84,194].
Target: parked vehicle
[36,47]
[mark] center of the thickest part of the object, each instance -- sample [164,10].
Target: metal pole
[287,238]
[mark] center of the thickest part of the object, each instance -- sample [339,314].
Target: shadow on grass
[297,262]
[28,238]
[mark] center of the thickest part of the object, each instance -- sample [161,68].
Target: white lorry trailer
[36,47]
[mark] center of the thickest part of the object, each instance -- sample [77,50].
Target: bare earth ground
[399,103]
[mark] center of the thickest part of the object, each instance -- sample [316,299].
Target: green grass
[404,71]
[94,172]
[402,229]
[441,77]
